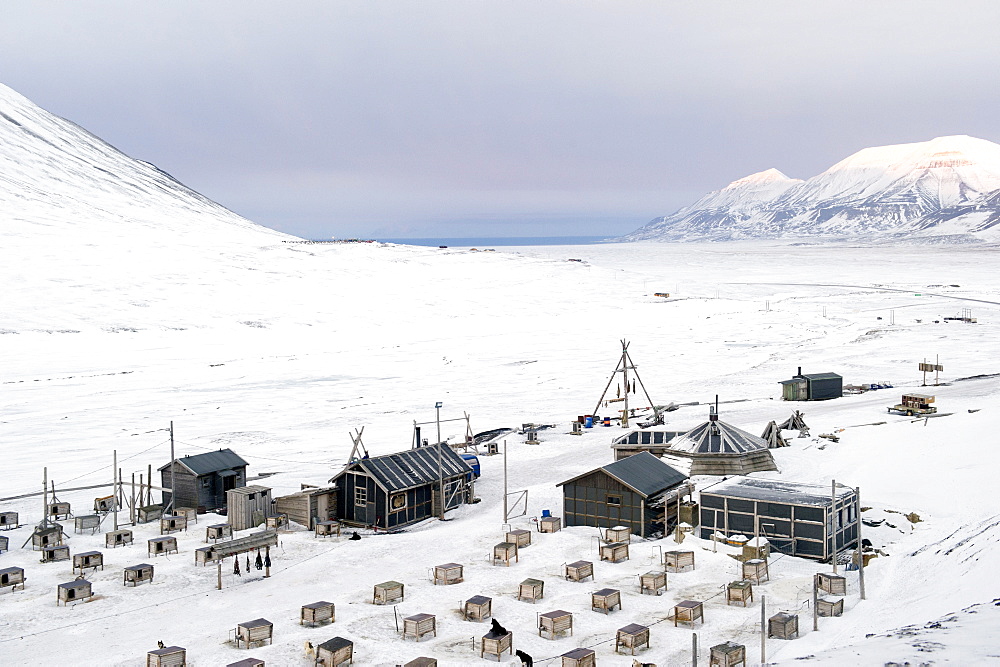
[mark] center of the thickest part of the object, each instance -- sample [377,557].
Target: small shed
[74,591]
[555,622]
[605,600]
[449,573]
[327,528]
[117,538]
[834,584]
[13,577]
[9,521]
[812,387]
[335,652]
[688,611]
[203,479]
[158,546]
[531,589]
[55,553]
[629,493]
[652,582]
[255,632]
[503,552]
[478,608]
[317,613]
[309,506]
[579,570]
[172,524]
[218,531]
[248,506]
[783,625]
[755,570]
[579,657]
[386,592]
[88,560]
[58,510]
[520,537]
[47,536]
[168,656]
[614,552]
[827,606]
[632,636]
[549,524]
[495,644]
[678,561]
[727,654]
[739,591]
[150,513]
[136,574]
[418,625]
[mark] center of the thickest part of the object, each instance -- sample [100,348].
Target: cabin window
[360,496]
[397,502]
[614,500]
[251,496]
[206,483]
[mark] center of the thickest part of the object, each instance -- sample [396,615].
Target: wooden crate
[169,656]
[739,591]
[421,662]
[531,589]
[4,544]
[520,537]
[58,511]
[91,522]
[189,513]
[136,574]
[478,608]
[579,657]
[834,584]
[549,524]
[614,552]
[46,537]
[688,611]
[327,528]
[755,570]
[335,652]
[579,570]
[117,538]
[783,626]
[605,600]
[386,592]
[632,636]
[652,582]
[74,591]
[88,559]
[172,524]
[618,534]
[317,613]
[757,548]
[449,573]
[257,631]
[830,606]
[218,531]
[555,622]
[276,521]
[150,513]
[495,645]
[678,561]
[55,553]
[247,662]
[727,654]
[418,625]
[503,552]
[13,577]
[157,546]
[9,521]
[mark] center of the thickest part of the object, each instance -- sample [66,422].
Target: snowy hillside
[946,189]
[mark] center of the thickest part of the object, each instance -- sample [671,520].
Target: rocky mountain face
[946,189]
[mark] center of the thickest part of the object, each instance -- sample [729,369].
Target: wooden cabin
[554,623]
[386,592]
[203,479]
[520,537]
[418,625]
[172,524]
[605,600]
[218,531]
[678,561]
[335,652]
[755,570]
[503,552]
[149,513]
[55,553]
[494,644]
[248,506]
[812,387]
[255,632]
[169,656]
[795,518]
[739,591]
[57,510]
[615,552]
[829,606]
[531,589]
[327,528]
[688,611]
[157,546]
[9,521]
[478,608]
[88,559]
[579,570]
[632,636]
[74,591]
[47,536]
[309,506]
[549,524]
[449,573]
[117,538]
[13,577]
[136,574]
[579,657]
[654,442]
[630,493]
[652,582]
[783,625]
[727,654]
[834,584]
[317,613]
[401,489]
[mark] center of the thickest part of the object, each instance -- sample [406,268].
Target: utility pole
[45,497]
[815,596]
[173,484]
[861,556]
[114,485]
[763,631]
[505,511]
[694,649]
[437,407]
[833,521]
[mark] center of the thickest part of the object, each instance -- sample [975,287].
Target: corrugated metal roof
[414,467]
[717,437]
[202,464]
[769,490]
[644,472]
[822,376]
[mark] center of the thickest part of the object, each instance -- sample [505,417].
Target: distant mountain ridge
[945,189]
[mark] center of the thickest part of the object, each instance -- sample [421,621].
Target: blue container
[588,421]
[607,421]
[546,514]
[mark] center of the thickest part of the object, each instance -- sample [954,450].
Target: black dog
[525,659]
[498,629]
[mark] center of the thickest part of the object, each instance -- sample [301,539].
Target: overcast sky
[505,118]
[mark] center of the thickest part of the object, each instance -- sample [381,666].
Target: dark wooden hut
[812,387]
[203,479]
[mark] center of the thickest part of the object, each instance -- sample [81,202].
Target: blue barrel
[588,421]
[546,514]
[607,421]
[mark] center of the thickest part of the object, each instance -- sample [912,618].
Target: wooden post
[149,485]
[131,505]
[833,521]
[173,481]
[861,556]
[505,510]
[694,649]
[437,407]
[815,596]
[219,563]
[45,496]
[114,484]
[763,630]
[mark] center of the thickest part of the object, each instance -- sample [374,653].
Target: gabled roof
[411,468]
[643,473]
[209,462]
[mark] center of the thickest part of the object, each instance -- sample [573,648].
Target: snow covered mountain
[944,189]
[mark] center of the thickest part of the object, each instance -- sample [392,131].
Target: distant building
[812,387]
[203,479]
[638,492]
